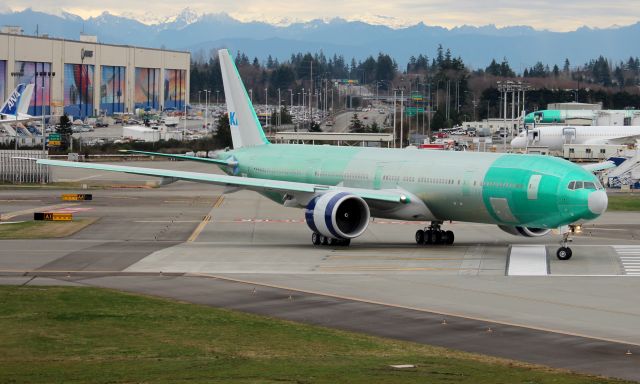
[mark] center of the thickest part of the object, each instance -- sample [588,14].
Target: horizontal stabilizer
[229,162]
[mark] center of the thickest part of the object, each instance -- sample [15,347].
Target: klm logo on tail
[10,106]
[233,120]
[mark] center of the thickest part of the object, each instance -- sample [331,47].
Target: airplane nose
[517,142]
[598,202]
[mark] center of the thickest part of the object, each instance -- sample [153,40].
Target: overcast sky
[557,15]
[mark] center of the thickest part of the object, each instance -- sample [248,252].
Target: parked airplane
[555,136]
[340,188]
[17,104]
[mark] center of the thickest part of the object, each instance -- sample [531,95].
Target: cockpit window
[589,185]
[584,184]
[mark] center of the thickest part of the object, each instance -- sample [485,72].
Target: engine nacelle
[337,215]
[524,231]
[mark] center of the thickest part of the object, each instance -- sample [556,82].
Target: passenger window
[589,185]
[572,185]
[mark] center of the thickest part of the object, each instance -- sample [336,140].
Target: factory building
[86,78]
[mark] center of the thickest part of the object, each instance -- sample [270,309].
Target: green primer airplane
[341,188]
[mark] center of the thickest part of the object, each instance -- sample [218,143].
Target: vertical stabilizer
[13,105]
[246,130]
[25,100]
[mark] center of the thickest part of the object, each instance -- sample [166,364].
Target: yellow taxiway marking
[10,215]
[205,220]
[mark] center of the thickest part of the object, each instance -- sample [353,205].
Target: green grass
[76,335]
[624,202]
[43,229]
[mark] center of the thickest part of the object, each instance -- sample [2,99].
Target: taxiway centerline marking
[205,220]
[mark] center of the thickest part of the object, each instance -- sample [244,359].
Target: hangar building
[86,78]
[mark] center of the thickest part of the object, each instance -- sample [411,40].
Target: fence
[23,171]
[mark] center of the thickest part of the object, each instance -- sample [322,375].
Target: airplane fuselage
[555,136]
[502,189]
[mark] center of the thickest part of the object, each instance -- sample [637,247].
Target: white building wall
[59,52]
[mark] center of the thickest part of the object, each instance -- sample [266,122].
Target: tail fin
[13,104]
[246,130]
[25,100]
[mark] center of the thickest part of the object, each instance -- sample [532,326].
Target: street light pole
[401,117]
[395,92]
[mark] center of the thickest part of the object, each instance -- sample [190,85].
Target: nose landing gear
[433,234]
[564,252]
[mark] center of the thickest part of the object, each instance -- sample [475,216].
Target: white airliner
[17,104]
[555,136]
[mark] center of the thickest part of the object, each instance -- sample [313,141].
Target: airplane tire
[438,237]
[428,237]
[450,237]
[564,253]
[419,237]
[316,238]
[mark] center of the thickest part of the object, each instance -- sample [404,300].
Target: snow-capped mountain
[188,30]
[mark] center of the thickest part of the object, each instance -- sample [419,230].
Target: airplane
[16,106]
[555,136]
[341,188]
[559,116]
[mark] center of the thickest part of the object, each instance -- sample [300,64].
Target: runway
[188,242]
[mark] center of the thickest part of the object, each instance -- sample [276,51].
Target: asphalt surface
[184,241]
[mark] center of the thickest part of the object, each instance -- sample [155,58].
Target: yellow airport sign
[52,216]
[77,197]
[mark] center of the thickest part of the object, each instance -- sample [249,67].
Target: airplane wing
[229,162]
[386,195]
[623,140]
[600,166]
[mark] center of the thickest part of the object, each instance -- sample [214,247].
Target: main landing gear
[433,234]
[318,239]
[564,252]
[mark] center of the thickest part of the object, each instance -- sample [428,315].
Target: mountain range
[523,46]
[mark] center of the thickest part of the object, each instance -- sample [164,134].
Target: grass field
[56,334]
[624,202]
[43,229]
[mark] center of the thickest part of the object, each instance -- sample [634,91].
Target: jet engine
[337,215]
[524,231]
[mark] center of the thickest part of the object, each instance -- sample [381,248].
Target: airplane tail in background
[246,130]
[18,102]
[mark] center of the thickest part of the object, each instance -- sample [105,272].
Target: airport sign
[52,216]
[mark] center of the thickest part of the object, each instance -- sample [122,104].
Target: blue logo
[232,119]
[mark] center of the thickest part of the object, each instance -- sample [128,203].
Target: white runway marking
[630,258]
[528,260]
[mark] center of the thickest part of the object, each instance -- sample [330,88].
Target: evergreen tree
[356,125]
[223,133]
[65,131]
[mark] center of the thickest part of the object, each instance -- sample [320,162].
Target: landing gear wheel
[325,240]
[564,253]
[438,237]
[316,238]
[420,237]
[334,242]
[450,237]
[428,237]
